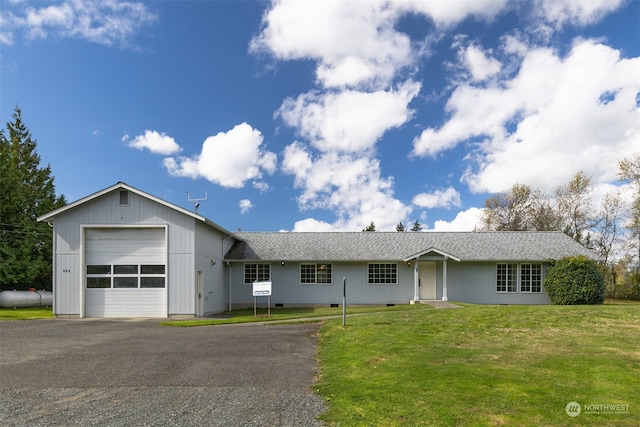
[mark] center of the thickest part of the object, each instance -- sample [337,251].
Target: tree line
[26,192]
[612,230]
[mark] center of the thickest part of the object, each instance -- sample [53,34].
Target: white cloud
[261,186]
[553,118]
[356,43]
[468,220]
[228,158]
[245,205]
[447,198]
[349,185]
[360,56]
[479,64]
[575,12]
[349,120]
[155,142]
[353,42]
[312,225]
[106,22]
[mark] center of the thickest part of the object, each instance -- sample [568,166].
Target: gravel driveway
[138,373]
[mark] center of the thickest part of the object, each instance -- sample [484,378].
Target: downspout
[416,281]
[229,266]
[53,266]
[444,279]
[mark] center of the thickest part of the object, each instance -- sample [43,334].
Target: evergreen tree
[400,227]
[370,227]
[416,226]
[26,192]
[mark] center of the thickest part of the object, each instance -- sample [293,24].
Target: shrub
[575,280]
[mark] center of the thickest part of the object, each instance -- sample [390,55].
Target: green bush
[575,280]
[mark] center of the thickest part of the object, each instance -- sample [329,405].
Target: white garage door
[125,272]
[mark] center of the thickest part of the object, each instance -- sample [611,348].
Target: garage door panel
[114,248]
[125,303]
[125,246]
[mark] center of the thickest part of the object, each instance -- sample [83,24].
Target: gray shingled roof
[395,246]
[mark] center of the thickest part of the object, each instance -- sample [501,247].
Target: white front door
[427,277]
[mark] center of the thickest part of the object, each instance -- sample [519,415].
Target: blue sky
[325,115]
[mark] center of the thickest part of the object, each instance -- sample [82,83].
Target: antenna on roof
[197,200]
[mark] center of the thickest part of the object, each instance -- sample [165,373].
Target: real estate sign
[262,289]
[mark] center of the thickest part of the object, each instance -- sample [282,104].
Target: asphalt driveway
[138,373]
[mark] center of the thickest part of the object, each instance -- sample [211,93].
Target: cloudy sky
[325,115]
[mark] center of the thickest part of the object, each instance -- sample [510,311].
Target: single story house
[121,252]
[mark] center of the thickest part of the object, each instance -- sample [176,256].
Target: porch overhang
[445,255]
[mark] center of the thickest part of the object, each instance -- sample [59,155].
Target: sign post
[261,289]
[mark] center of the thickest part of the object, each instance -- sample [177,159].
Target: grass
[283,314]
[26,313]
[482,365]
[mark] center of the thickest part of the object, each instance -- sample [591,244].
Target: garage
[125,272]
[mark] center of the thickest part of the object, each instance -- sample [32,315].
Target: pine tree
[370,227]
[416,226]
[26,192]
[400,227]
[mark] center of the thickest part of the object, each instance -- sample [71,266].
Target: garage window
[122,276]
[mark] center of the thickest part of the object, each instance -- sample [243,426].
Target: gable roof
[122,186]
[405,246]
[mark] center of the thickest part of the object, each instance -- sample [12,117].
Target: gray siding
[287,289]
[475,282]
[211,246]
[106,211]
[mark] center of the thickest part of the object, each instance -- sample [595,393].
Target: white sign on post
[262,289]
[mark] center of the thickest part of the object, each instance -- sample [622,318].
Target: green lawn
[482,365]
[25,313]
[279,314]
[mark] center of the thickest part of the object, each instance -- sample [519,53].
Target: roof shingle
[394,246]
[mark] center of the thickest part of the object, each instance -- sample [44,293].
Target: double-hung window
[315,274]
[257,272]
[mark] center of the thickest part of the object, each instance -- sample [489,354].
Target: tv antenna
[197,200]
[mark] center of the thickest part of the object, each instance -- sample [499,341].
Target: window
[507,278]
[122,276]
[531,278]
[124,198]
[315,273]
[383,274]
[256,273]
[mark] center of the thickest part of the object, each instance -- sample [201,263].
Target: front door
[427,277]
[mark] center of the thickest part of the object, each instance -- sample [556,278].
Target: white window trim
[370,283]
[315,283]
[244,269]
[519,278]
